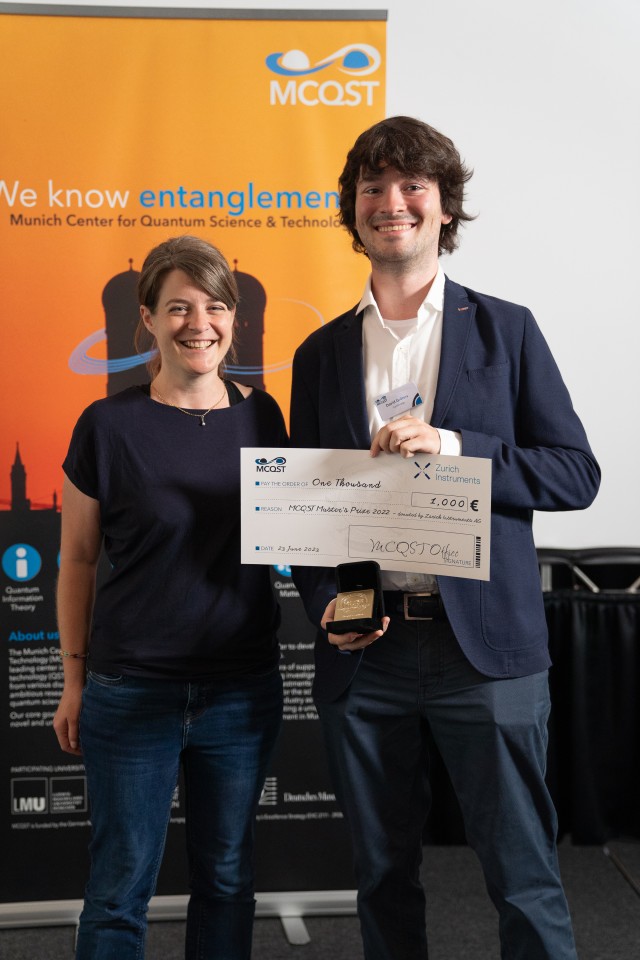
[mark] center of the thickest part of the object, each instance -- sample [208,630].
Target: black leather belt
[414,606]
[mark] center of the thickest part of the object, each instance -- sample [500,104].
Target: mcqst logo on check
[276,465]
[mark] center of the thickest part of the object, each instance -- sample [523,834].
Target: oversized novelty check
[427,514]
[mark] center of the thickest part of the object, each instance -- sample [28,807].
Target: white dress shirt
[398,352]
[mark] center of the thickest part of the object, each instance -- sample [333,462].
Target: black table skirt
[594,731]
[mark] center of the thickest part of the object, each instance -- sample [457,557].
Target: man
[467,659]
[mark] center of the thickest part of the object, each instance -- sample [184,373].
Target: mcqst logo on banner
[356,60]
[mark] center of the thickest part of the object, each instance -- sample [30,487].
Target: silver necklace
[190,413]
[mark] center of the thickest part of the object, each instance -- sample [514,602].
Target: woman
[179,642]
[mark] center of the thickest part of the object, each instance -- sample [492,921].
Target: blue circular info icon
[21,562]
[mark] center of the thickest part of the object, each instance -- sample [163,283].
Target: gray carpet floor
[461,919]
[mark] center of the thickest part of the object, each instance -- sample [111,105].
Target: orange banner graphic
[119,132]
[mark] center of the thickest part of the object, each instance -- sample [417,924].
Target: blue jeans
[135,733]
[492,735]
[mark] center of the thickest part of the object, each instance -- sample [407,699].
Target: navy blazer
[499,386]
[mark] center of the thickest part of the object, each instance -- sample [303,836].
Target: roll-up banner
[122,128]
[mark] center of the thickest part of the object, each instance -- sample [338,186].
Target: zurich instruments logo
[293,69]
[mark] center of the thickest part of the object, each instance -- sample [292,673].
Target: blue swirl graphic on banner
[356,59]
[80,361]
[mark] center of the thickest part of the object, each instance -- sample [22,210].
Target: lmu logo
[29,795]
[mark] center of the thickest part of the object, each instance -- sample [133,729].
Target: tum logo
[29,796]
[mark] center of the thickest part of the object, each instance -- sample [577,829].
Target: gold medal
[354,604]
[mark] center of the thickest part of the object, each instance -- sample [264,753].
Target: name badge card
[397,401]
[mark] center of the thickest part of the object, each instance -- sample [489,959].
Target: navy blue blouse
[177,602]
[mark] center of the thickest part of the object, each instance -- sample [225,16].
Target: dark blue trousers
[492,735]
[135,733]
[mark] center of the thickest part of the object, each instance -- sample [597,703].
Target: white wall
[542,100]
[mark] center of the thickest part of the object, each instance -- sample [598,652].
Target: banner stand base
[295,930]
[289,907]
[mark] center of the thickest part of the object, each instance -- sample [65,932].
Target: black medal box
[360,604]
